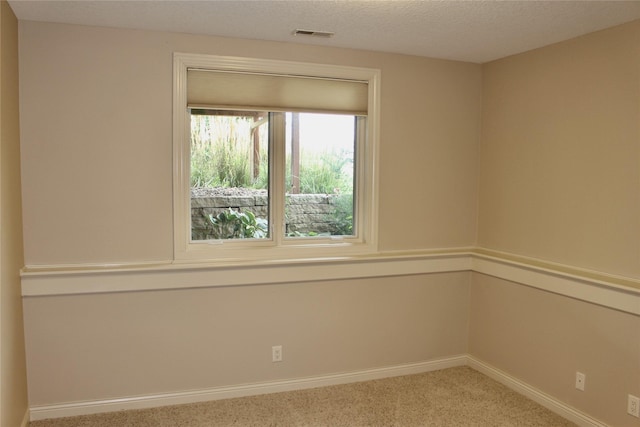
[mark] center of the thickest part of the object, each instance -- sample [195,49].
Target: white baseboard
[25,419]
[549,402]
[194,396]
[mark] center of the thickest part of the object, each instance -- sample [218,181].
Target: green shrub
[342,217]
[232,224]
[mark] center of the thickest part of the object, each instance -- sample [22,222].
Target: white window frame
[276,248]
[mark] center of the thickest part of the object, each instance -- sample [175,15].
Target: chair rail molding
[616,292]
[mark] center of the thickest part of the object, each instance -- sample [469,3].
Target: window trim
[274,249]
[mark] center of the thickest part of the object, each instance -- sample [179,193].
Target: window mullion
[362,204]
[277,147]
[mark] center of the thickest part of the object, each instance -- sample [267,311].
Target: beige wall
[86,347]
[97,187]
[542,339]
[96,118]
[560,153]
[560,181]
[13,381]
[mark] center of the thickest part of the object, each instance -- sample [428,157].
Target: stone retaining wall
[306,212]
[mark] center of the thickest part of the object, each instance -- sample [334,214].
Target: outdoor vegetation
[231,152]
[221,152]
[231,224]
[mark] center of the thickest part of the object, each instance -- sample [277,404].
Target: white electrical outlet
[580,380]
[276,353]
[633,405]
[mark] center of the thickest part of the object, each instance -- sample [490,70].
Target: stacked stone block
[306,212]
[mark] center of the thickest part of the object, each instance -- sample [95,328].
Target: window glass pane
[319,175]
[229,174]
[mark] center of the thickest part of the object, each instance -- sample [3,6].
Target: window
[273,160]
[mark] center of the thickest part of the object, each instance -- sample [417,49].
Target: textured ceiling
[475,31]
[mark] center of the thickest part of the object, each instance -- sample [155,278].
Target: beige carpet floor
[451,397]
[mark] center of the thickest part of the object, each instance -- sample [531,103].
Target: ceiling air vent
[312,33]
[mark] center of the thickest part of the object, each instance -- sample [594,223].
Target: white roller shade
[237,90]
